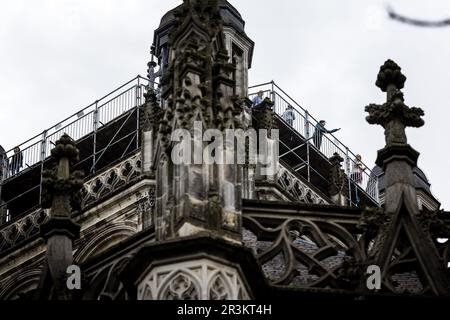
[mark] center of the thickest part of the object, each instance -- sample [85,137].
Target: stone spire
[404,238]
[61,195]
[394,115]
[197,89]
[397,158]
[198,201]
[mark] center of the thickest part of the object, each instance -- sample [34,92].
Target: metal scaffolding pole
[347,169]
[307,134]
[95,124]
[43,156]
[138,104]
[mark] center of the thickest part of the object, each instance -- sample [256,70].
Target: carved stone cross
[403,228]
[394,115]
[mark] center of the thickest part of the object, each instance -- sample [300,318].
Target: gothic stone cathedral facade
[111,200]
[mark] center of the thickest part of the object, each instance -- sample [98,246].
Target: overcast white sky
[58,56]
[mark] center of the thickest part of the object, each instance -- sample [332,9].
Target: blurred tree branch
[417,22]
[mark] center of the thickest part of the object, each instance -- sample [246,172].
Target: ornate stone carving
[18,286]
[352,274]
[434,224]
[300,252]
[105,183]
[372,220]
[152,112]
[60,230]
[265,115]
[198,86]
[404,245]
[182,287]
[201,279]
[296,188]
[53,185]
[219,289]
[111,180]
[394,115]
[390,74]
[338,180]
[22,229]
[145,207]
[242,112]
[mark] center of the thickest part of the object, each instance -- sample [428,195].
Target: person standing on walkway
[319,132]
[357,170]
[3,162]
[258,99]
[16,161]
[289,115]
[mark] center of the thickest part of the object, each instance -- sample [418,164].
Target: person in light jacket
[3,162]
[258,99]
[289,115]
[357,170]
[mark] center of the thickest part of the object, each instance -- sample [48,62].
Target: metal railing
[129,96]
[87,122]
[361,178]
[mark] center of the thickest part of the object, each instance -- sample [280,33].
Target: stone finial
[264,115]
[60,187]
[65,148]
[204,11]
[394,115]
[336,159]
[61,194]
[390,76]
[401,211]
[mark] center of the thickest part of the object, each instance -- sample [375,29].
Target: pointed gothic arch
[21,284]
[180,285]
[105,239]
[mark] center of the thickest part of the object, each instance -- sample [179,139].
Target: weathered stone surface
[403,239]
[338,188]
[63,189]
[390,74]
[394,115]
[198,86]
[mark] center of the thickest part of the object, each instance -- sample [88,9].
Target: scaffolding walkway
[105,131]
[108,130]
[298,149]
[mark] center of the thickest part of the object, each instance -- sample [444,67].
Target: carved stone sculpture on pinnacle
[402,227]
[197,88]
[62,194]
[394,115]
[60,187]
[203,187]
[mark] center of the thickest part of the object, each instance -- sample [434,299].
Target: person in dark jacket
[16,161]
[319,132]
[3,166]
